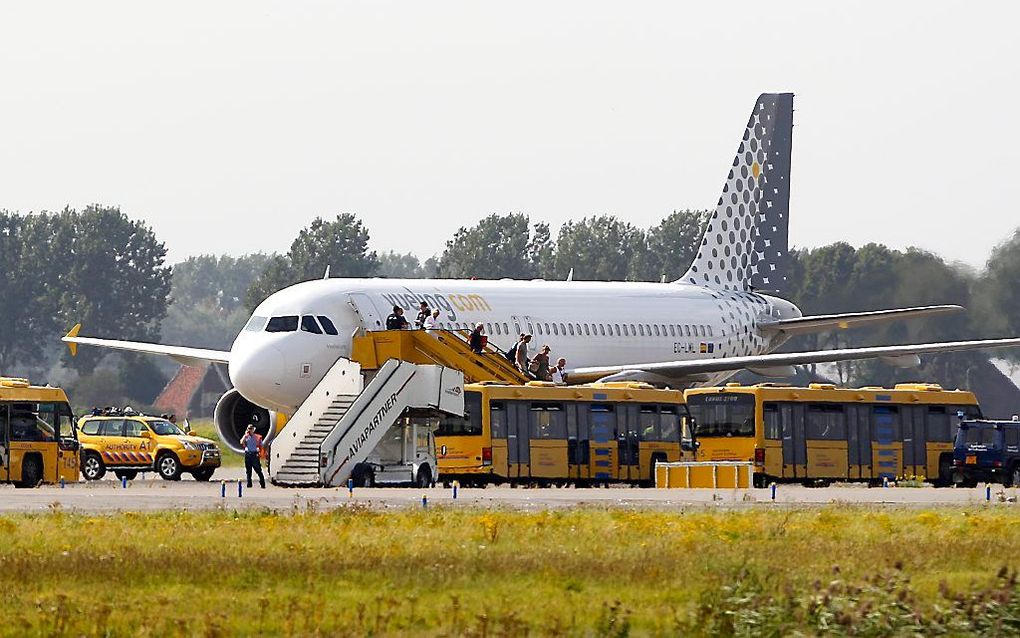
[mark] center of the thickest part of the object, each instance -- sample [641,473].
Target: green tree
[673,244]
[997,294]
[340,245]
[601,248]
[112,276]
[399,266]
[221,280]
[27,303]
[497,246]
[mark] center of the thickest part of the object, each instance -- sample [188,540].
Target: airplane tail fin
[745,244]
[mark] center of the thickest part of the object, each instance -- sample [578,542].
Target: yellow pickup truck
[129,444]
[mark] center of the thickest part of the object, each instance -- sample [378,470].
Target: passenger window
[587,332]
[602,329]
[773,421]
[111,427]
[90,428]
[672,331]
[1012,435]
[547,331]
[468,425]
[497,420]
[506,329]
[308,324]
[617,327]
[710,331]
[133,428]
[641,330]
[633,332]
[669,423]
[571,327]
[287,323]
[548,421]
[648,422]
[687,330]
[531,329]
[555,330]
[826,421]
[625,333]
[656,330]
[539,329]
[327,326]
[938,424]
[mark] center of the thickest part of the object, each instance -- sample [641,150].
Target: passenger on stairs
[521,356]
[540,364]
[423,314]
[252,444]
[396,320]
[432,321]
[477,339]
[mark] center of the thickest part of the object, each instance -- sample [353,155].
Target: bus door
[517,441]
[5,442]
[915,440]
[858,424]
[628,423]
[603,443]
[888,446]
[794,446]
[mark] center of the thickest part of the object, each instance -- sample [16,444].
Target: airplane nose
[257,374]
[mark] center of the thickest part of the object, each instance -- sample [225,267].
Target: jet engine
[233,415]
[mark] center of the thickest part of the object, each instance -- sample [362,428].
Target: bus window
[773,422]
[497,420]
[547,421]
[938,426]
[468,425]
[648,422]
[826,421]
[669,424]
[723,414]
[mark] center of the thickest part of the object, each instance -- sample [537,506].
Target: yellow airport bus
[822,433]
[37,437]
[547,434]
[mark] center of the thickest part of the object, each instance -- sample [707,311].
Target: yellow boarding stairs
[441,347]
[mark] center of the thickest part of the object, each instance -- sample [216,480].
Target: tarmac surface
[149,493]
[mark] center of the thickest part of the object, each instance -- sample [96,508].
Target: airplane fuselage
[587,323]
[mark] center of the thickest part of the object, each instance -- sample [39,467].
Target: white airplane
[698,330]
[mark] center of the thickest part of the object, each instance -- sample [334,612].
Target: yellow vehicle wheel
[31,472]
[168,466]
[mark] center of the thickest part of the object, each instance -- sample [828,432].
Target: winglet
[72,346]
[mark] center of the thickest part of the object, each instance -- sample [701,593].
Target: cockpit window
[287,323]
[327,325]
[255,324]
[308,324]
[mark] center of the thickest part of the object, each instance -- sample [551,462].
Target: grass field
[357,571]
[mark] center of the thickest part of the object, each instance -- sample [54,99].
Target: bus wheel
[169,467]
[31,472]
[424,477]
[126,474]
[93,468]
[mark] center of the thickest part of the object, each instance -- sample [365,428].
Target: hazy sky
[229,126]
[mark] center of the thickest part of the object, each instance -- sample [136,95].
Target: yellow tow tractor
[37,434]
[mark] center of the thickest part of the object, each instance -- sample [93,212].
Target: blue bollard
[61,482]
[988,492]
[773,491]
[350,487]
[223,489]
[885,481]
[239,488]
[123,482]
[455,486]
[425,501]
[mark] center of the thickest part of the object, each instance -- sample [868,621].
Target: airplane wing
[823,323]
[180,354]
[697,369]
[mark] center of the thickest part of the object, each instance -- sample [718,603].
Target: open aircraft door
[371,317]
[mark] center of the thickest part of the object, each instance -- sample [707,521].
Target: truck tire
[168,466]
[1013,478]
[31,472]
[126,474]
[92,467]
[424,477]
[203,475]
